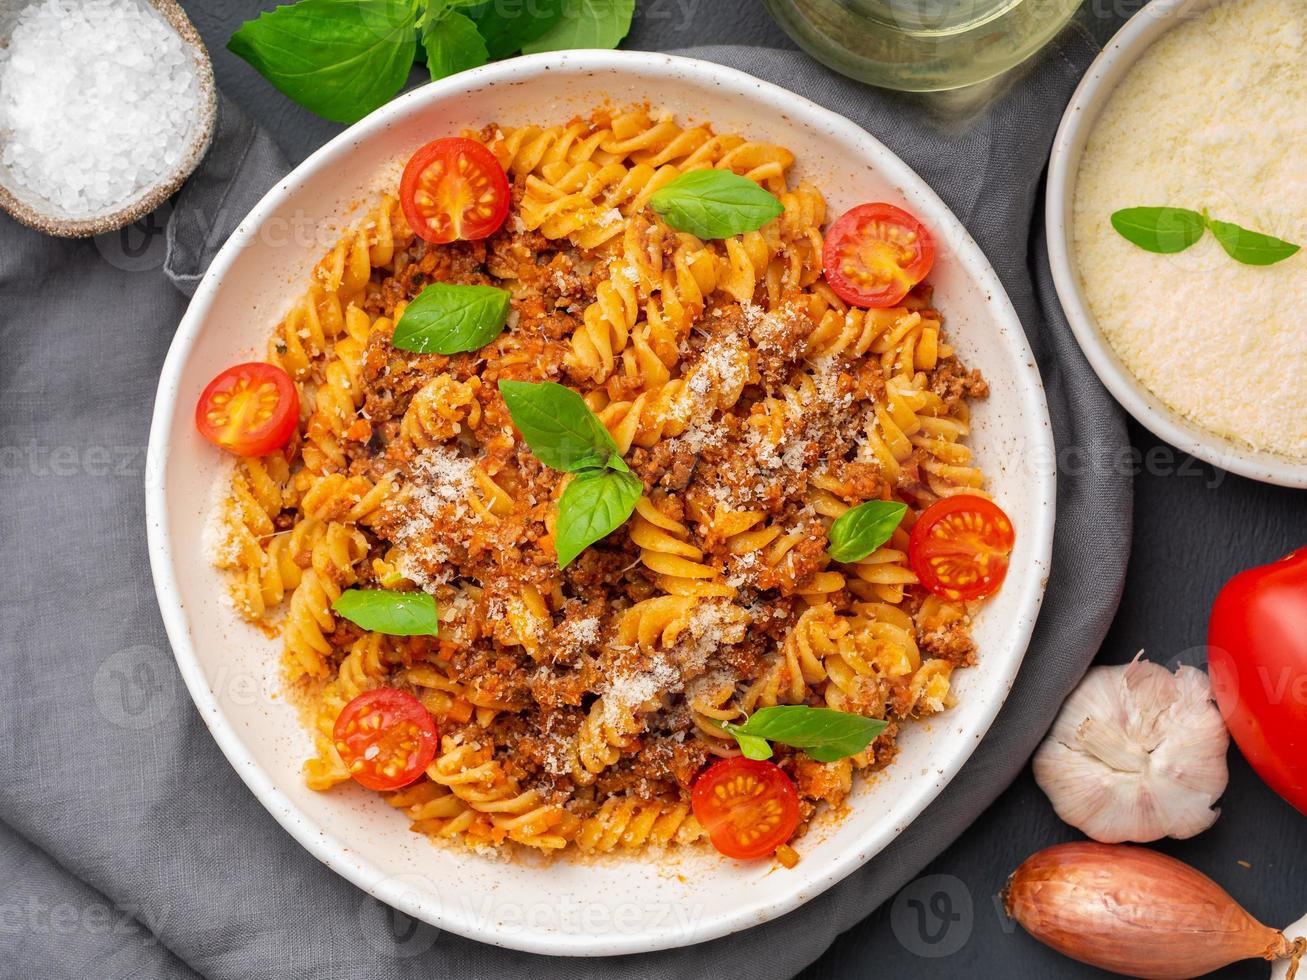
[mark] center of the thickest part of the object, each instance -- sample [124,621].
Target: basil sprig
[446,318]
[586,24]
[451,42]
[595,503]
[1161,230]
[715,204]
[861,530]
[343,58]
[566,436]
[823,733]
[1170,230]
[1249,247]
[393,613]
[338,58]
[559,427]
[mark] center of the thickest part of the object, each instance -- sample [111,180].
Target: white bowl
[1090,97]
[572,907]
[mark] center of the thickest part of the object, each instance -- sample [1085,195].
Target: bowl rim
[154,196]
[1100,81]
[336,853]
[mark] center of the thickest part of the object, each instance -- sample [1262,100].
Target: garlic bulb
[1137,753]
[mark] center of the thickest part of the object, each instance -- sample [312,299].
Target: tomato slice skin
[386,738]
[249,409]
[875,253]
[453,189]
[747,806]
[959,547]
[1257,656]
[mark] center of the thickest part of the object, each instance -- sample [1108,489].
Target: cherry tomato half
[454,189]
[386,738]
[748,807]
[876,253]
[250,409]
[959,547]
[1257,656]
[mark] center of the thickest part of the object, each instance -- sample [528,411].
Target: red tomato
[454,189]
[875,253]
[748,807]
[959,547]
[386,738]
[1257,656]
[250,409]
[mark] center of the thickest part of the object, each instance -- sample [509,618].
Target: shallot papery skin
[1134,912]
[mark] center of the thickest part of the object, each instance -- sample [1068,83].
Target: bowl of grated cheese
[1195,104]
[106,107]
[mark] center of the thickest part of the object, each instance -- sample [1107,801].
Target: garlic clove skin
[1136,754]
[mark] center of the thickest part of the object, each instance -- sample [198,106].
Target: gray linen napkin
[128,846]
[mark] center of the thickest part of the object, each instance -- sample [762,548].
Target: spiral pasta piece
[310,618]
[629,824]
[439,411]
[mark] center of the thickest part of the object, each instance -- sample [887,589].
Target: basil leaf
[753,747]
[338,58]
[508,25]
[393,613]
[594,504]
[586,24]
[559,427]
[1250,247]
[453,44]
[448,319]
[1163,230]
[861,530]
[715,204]
[825,734]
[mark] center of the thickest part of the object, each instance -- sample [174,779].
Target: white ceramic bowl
[572,907]
[1090,97]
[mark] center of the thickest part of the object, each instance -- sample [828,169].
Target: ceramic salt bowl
[44,216]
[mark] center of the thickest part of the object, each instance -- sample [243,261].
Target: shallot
[1137,912]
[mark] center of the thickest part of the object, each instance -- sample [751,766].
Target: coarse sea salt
[97,102]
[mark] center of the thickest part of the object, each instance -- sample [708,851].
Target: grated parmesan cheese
[627,692]
[1212,116]
[441,482]
[713,624]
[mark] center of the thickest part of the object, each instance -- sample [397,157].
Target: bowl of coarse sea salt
[106,107]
